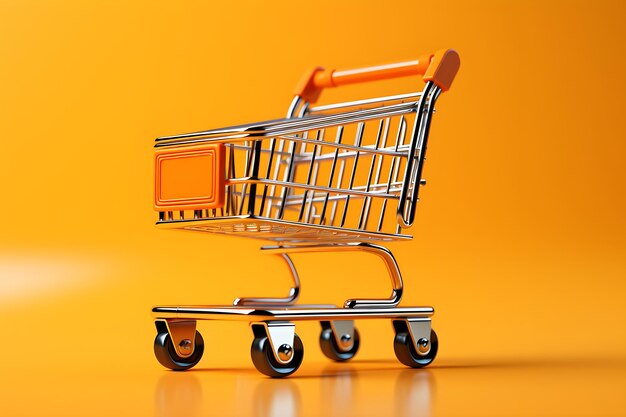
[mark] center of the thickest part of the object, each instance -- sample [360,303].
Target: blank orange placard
[189,178]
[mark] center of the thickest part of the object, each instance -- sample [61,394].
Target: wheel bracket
[419,329]
[183,334]
[281,335]
[343,331]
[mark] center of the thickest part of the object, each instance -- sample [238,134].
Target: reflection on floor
[379,388]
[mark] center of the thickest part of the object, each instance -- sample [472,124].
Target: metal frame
[266,200]
[256,195]
[317,312]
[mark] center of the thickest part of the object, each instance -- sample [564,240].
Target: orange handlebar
[440,68]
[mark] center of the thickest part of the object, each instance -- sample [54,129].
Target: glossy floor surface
[361,388]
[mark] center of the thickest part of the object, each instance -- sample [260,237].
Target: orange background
[520,237]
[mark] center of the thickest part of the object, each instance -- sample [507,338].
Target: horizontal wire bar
[313,123]
[366,148]
[393,186]
[377,100]
[250,180]
[294,123]
[351,149]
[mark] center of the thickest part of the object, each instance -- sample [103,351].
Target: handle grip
[440,68]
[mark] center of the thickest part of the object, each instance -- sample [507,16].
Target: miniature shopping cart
[328,178]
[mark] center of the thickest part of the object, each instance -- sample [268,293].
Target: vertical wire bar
[419,152]
[381,161]
[332,173]
[357,143]
[402,212]
[249,155]
[411,185]
[394,162]
[272,193]
[289,176]
[256,162]
[231,201]
[303,146]
[383,145]
[311,176]
[228,176]
[311,208]
[397,171]
[402,131]
[342,168]
[291,113]
[267,174]
[369,175]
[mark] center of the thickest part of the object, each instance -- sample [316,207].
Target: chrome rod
[300,313]
[345,191]
[383,253]
[287,178]
[332,173]
[378,100]
[406,215]
[362,219]
[281,146]
[357,142]
[267,174]
[309,174]
[399,151]
[249,155]
[290,299]
[311,209]
[291,126]
[394,162]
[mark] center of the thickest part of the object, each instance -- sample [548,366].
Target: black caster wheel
[263,356]
[406,353]
[167,356]
[329,347]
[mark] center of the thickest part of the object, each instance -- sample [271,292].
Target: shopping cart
[335,177]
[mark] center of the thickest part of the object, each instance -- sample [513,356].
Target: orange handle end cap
[443,68]
[307,88]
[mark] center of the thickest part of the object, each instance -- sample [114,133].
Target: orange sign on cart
[189,178]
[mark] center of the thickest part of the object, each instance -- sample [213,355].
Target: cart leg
[294,292]
[419,329]
[276,350]
[182,333]
[383,253]
[343,331]
[416,343]
[178,345]
[339,339]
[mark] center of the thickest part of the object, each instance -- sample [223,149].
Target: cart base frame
[277,350]
[276,325]
[310,312]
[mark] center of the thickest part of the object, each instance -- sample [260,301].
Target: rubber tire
[167,356]
[265,362]
[329,347]
[406,353]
